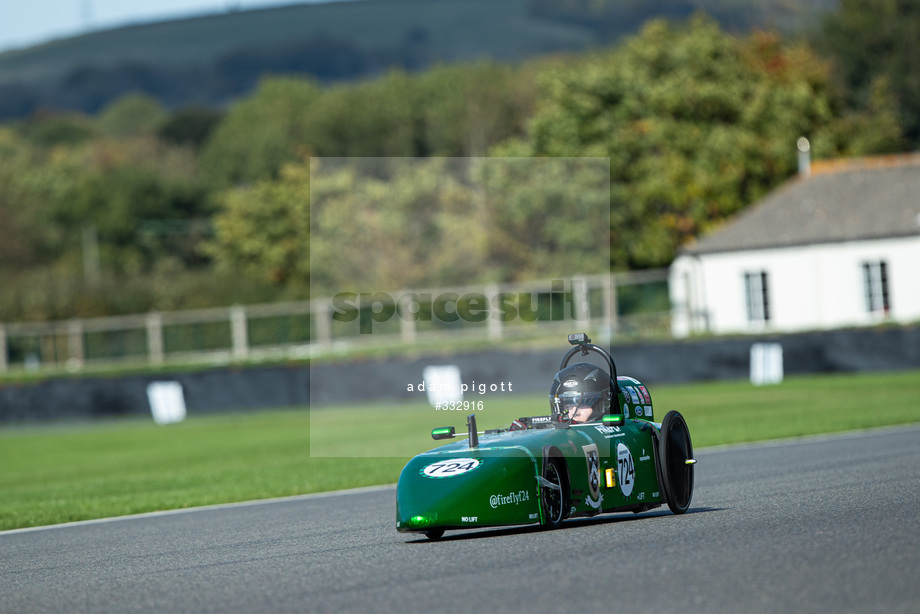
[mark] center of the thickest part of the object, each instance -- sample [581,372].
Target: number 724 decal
[626,469]
[450,467]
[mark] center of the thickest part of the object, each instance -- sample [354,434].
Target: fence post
[155,337]
[407,329]
[319,311]
[495,323]
[75,343]
[3,351]
[47,351]
[611,310]
[580,303]
[239,332]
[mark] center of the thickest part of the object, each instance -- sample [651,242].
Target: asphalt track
[819,525]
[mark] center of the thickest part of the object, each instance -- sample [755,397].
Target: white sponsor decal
[512,498]
[633,395]
[638,411]
[595,503]
[626,469]
[450,467]
[533,516]
[469,518]
[648,411]
[610,432]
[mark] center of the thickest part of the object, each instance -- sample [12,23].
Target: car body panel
[497,482]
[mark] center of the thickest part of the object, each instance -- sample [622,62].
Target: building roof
[841,200]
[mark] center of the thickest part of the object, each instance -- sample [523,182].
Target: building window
[758,299]
[875,283]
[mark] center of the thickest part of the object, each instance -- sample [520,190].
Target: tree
[696,123]
[468,108]
[263,229]
[384,225]
[145,201]
[133,114]
[460,110]
[50,129]
[546,217]
[189,126]
[261,133]
[377,118]
[870,40]
[32,179]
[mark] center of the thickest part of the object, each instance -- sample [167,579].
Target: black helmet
[581,385]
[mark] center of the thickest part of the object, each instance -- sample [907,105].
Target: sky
[24,23]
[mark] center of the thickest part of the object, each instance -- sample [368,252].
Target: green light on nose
[445,432]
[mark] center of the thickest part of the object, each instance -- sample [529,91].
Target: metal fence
[302,329]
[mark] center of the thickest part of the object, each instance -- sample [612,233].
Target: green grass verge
[53,474]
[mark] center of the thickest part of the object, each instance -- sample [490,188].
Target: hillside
[209,59]
[212,59]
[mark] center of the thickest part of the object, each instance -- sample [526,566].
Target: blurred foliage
[60,293]
[393,224]
[189,126]
[147,207]
[142,198]
[545,217]
[260,133]
[194,207]
[49,129]
[264,229]
[875,45]
[697,124]
[132,114]
[389,224]
[447,111]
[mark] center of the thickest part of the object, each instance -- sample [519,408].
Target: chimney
[804,148]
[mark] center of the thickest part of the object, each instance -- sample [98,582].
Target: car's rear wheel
[552,494]
[434,534]
[675,458]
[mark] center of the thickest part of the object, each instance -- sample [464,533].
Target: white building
[837,247]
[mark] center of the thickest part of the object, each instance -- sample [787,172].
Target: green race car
[599,450]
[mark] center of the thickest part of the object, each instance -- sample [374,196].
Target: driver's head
[581,393]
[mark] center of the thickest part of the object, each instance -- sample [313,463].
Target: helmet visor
[579,406]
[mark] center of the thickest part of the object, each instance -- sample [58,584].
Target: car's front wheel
[552,494]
